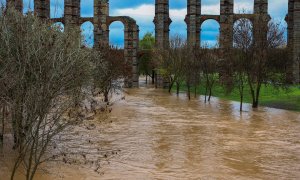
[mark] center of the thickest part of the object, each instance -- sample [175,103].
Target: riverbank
[287,99]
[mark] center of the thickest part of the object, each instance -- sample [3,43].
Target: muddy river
[155,135]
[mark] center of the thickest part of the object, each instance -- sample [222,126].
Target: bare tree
[192,67]
[266,39]
[208,62]
[109,69]
[172,61]
[2,118]
[42,73]
[253,59]
[241,54]
[196,56]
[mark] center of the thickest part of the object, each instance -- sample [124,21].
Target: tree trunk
[146,79]
[155,80]
[153,75]
[106,97]
[2,131]
[241,102]
[241,96]
[189,91]
[206,88]
[255,99]
[255,104]
[177,88]
[17,126]
[171,86]
[210,93]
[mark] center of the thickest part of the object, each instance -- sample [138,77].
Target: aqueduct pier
[162,21]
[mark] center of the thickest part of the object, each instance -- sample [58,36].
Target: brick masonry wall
[162,22]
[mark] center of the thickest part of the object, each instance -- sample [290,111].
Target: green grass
[270,96]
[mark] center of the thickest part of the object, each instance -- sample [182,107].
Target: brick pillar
[193,21]
[162,23]
[42,9]
[17,4]
[72,13]
[226,24]
[226,39]
[261,21]
[293,21]
[130,51]
[101,30]
[260,6]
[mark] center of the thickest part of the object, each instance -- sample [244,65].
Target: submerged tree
[240,55]
[209,69]
[109,69]
[261,70]
[174,62]
[254,57]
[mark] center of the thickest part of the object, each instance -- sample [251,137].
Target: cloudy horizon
[143,12]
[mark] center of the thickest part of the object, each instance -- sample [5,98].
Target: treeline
[45,74]
[257,58]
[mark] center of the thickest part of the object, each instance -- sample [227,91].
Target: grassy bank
[288,99]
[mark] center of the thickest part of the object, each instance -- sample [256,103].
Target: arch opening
[57,8]
[277,35]
[177,15]
[28,6]
[210,33]
[2,5]
[59,26]
[210,7]
[278,10]
[285,27]
[243,6]
[117,34]
[243,34]
[87,33]
[87,8]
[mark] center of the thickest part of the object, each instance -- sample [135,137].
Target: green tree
[146,61]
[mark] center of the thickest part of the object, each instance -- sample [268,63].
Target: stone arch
[131,41]
[87,32]
[243,6]
[246,28]
[210,32]
[57,8]
[86,8]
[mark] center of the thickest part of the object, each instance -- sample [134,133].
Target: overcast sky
[143,12]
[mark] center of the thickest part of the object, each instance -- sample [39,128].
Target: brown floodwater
[155,135]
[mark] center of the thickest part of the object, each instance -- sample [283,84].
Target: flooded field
[153,135]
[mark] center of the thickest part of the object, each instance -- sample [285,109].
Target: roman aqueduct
[162,21]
